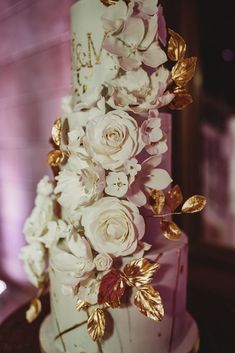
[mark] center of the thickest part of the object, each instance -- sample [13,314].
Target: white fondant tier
[130,331]
[91,64]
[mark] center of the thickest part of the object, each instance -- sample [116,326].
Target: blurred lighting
[227,55]
[3,287]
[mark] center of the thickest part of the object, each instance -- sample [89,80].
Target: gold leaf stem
[167,214]
[97,342]
[70,329]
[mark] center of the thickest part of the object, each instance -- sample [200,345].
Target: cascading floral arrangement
[101,178]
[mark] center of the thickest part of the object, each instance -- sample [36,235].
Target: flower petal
[158,179]
[154,56]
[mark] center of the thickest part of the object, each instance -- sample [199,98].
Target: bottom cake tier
[188,342]
[128,331]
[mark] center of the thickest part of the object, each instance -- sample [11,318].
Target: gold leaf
[56,158]
[56,131]
[183,71]
[170,230]
[140,272]
[81,305]
[181,100]
[109,2]
[34,310]
[149,303]
[96,324]
[174,198]
[157,201]
[194,204]
[176,46]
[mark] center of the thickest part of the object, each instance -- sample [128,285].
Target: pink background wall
[34,75]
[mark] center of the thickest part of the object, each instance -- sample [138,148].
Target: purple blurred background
[34,75]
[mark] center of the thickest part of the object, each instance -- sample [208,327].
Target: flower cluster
[106,161]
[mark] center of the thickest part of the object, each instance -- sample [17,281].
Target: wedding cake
[101,232]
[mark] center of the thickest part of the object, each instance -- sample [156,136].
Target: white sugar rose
[103,262]
[112,139]
[79,187]
[34,259]
[113,226]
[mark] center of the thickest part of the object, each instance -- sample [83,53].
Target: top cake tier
[92,65]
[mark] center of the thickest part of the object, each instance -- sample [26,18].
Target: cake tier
[91,64]
[130,331]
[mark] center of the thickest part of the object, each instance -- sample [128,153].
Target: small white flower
[103,262]
[132,167]
[89,290]
[117,184]
[34,259]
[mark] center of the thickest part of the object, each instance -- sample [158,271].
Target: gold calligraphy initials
[87,59]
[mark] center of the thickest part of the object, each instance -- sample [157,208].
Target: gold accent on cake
[34,310]
[183,71]
[149,302]
[182,99]
[194,204]
[170,230]
[56,158]
[140,272]
[176,46]
[109,2]
[96,324]
[56,131]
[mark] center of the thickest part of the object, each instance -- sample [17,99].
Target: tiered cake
[102,230]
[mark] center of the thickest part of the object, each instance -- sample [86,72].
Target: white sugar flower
[79,187]
[136,91]
[132,167]
[113,226]
[34,260]
[117,184]
[112,139]
[152,134]
[56,230]
[89,290]
[36,224]
[103,262]
[76,262]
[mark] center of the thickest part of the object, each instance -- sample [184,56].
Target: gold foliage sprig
[138,274]
[164,206]
[35,307]
[182,72]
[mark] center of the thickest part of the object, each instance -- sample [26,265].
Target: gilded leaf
[81,305]
[181,100]
[170,230]
[109,2]
[174,198]
[176,46]
[56,131]
[34,310]
[56,158]
[96,324]
[157,201]
[140,272]
[183,71]
[149,303]
[112,288]
[194,204]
